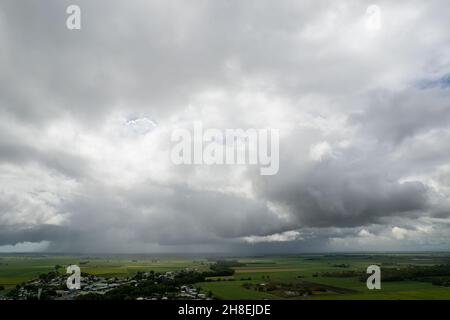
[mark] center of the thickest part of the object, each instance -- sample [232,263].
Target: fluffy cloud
[87,116]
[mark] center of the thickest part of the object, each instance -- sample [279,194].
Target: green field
[254,271]
[289,269]
[17,269]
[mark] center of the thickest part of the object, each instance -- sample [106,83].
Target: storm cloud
[363,112]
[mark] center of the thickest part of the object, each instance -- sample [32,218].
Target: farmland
[16,269]
[308,276]
[310,269]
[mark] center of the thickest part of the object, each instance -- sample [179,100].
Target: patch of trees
[47,277]
[219,279]
[91,296]
[438,274]
[342,265]
[141,275]
[222,268]
[342,274]
[48,294]
[442,281]
[285,290]
[13,293]
[415,273]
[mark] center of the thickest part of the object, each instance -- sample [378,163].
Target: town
[171,285]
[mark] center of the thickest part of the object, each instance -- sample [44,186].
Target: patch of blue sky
[441,82]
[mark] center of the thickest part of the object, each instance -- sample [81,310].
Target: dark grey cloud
[28,233]
[355,187]
[392,117]
[363,154]
[62,162]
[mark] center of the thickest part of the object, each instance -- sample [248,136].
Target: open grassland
[252,273]
[308,268]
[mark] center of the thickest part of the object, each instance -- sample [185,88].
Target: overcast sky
[362,107]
